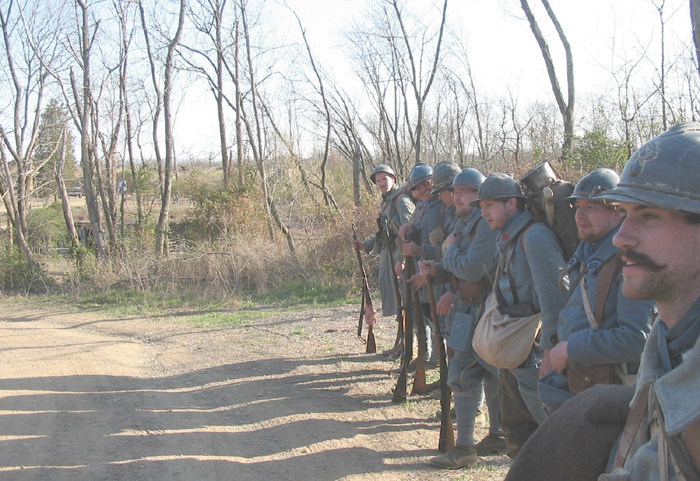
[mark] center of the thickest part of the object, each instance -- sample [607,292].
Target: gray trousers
[521,409]
[470,378]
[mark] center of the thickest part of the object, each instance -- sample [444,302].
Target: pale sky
[502,50]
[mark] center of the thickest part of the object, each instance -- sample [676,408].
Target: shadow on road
[263,419]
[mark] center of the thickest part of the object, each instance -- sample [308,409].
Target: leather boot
[456,458]
[491,444]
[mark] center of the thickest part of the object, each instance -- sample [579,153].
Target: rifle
[447,434]
[366,303]
[383,232]
[407,354]
[403,320]
[419,385]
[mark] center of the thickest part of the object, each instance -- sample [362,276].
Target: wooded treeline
[97,85]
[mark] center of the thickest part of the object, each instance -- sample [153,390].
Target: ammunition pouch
[474,292]
[585,377]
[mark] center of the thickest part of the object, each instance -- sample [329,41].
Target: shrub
[17,276]
[46,228]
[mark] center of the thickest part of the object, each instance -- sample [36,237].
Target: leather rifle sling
[632,425]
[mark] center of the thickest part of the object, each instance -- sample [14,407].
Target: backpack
[547,199]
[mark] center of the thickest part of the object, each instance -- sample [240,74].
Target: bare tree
[208,18]
[127,35]
[26,76]
[662,71]
[327,196]
[416,79]
[82,96]
[695,24]
[566,107]
[254,128]
[63,194]
[164,99]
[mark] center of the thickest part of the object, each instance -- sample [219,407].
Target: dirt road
[85,396]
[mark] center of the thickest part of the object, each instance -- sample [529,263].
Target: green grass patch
[301,293]
[200,310]
[225,318]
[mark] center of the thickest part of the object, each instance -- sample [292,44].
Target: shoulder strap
[509,254]
[607,273]
[632,425]
[522,234]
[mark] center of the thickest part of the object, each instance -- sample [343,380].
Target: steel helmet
[498,186]
[595,183]
[419,173]
[663,172]
[468,178]
[382,168]
[443,174]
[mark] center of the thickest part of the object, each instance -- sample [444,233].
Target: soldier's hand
[405,230]
[357,244]
[445,303]
[451,240]
[417,281]
[427,268]
[559,357]
[411,249]
[398,269]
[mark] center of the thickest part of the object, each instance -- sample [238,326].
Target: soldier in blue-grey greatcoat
[530,259]
[396,207]
[660,239]
[470,258]
[613,343]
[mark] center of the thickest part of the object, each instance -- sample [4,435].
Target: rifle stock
[447,434]
[407,354]
[399,394]
[362,312]
[371,343]
[366,302]
[419,384]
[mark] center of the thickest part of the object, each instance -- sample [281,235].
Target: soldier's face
[423,189]
[384,181]
[594,220]
[660,254]
[446,198]
[496,212]
[463,197]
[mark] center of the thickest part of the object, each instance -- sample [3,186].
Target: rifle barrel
[447,435]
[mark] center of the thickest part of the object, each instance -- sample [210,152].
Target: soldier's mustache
[642,260]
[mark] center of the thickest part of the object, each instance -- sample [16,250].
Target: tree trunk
[695,22]
[10,189]
[63,194]
[163,218]
[86,159]
[566,108]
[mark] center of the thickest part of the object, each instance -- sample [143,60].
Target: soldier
[530,259]
[425,217]
[432,222]
[600,333]
[659,238]
[470,259]
[396,207]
